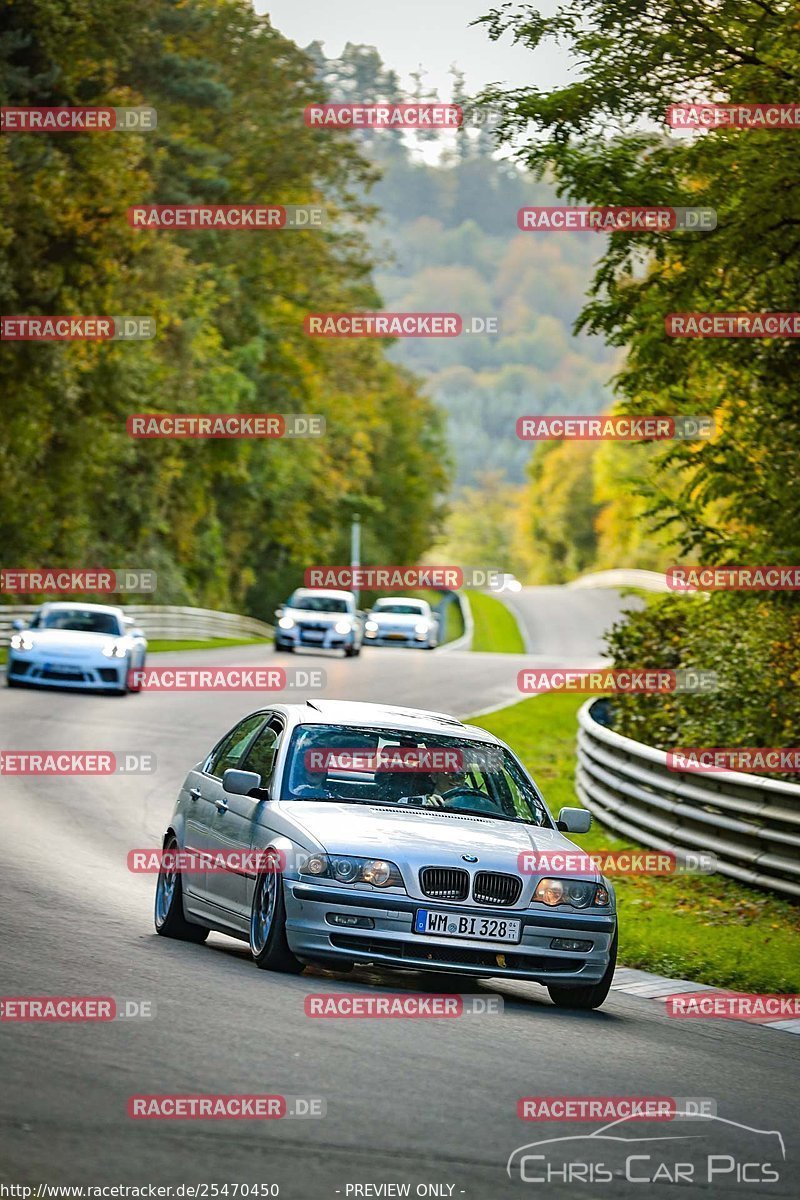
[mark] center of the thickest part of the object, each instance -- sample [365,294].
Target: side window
[261,755]
[231,748]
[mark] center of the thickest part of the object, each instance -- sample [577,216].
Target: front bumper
[111,675]
[392,940]
[287,639]
[395,639]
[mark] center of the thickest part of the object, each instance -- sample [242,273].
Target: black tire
[169,919]
[352,651]
[271,953]
[287,649]
[590,996]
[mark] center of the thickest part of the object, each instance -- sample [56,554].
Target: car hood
[324,618]
[416,837]
[69,641]
[401,619]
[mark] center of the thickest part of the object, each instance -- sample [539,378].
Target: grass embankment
[496,628]
[158,645]
[702,927]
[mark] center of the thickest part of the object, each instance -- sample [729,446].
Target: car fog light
[351,921]
[569,944]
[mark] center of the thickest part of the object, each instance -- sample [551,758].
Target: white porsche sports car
[68,644]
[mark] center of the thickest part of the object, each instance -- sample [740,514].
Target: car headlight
[578,893]
[371,626]
[346,868]
[421,628]
[343,627]
[115,649]
[286,623]
[21,641]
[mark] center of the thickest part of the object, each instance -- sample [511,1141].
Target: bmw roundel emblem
[469,857]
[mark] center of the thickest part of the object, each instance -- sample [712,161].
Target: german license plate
[481,929]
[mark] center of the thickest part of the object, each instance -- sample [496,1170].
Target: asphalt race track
[423,1102]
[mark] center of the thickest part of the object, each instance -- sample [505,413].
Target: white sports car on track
[68,644]
[402,621]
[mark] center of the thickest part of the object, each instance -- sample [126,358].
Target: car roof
[400,600]
[106,608]
[387,716]
[323,592]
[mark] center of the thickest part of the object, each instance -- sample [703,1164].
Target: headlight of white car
[343,626]
[21,641]
[115,649]
[348,869]
[371,626]
[286,623]
[421,628]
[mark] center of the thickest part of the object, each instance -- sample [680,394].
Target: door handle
[195,793]
[221,805]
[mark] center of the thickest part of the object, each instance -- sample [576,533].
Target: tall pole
[355,549]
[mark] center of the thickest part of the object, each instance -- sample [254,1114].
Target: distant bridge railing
[163,621]
[751,823]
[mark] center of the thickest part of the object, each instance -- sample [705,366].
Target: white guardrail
[751,823]
[165,621]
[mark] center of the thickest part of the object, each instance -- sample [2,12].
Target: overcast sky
[431,34]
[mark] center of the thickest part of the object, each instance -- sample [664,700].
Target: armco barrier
[166,621]
[751,823]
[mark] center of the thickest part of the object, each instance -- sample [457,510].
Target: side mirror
[136,632]
[574,820]
[279,611]
[240,783]
[18,624]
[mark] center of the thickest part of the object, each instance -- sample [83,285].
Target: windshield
[407,610]
[80,619]
[312,603]
[403,769]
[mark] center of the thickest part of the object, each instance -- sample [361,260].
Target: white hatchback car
[402,621]
[74,645]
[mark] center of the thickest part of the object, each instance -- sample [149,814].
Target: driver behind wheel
[443,782]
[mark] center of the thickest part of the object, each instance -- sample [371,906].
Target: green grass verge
[157,645]
[496,628]
[702,927]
